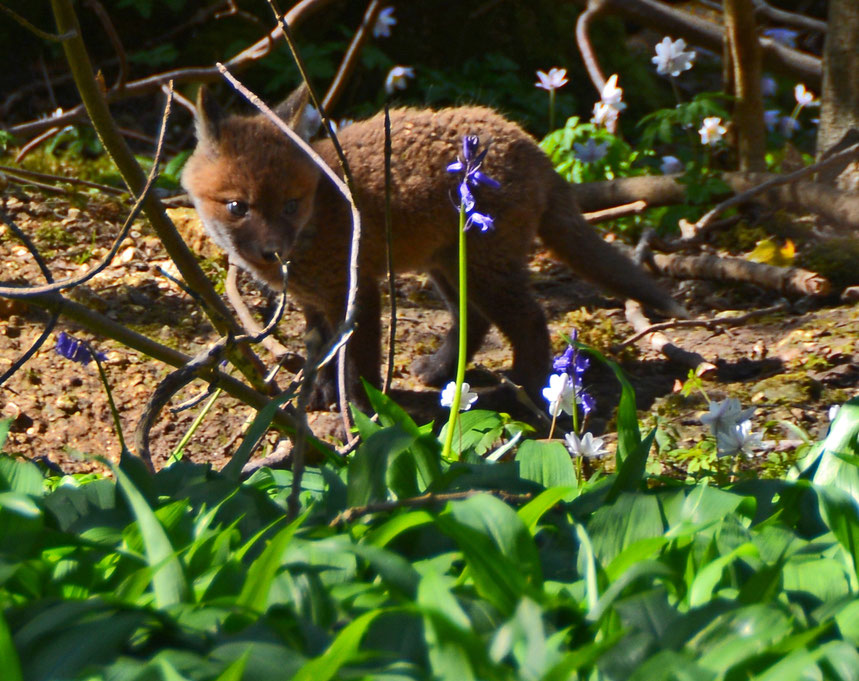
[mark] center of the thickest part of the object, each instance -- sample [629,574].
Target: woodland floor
[792,366]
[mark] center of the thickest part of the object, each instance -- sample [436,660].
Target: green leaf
[546,463]
[10,663]
[368,470]
[169,579]
[628,434]
[709,577]
[840,512]
[631,518]
[342,650]
[263,570]
[531,512]
[838,459]
[259,426]
[631,469]
[23,477]
[236,670]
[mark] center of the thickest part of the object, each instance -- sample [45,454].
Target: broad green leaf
[839,460]
[169,580]
[646,568]
[400,523]
[531,512]
[395,570]
[840,512]
[21,476]
[495,519]
[799,665]
[496,578]
[10,663]
[546,463]
[342,650]
[263,570]
[65,650]
[434,594]
[640,550]
[710,575]
[740,635]
[631,468]
[236,670]
[670,665]
[479,429]
[368,469]
[628,434]
[848,622]
[824,578]
[631,518]
[258,428]
[390,413]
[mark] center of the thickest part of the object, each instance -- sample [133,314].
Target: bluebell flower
[468,166]
[574,364]
[75,350]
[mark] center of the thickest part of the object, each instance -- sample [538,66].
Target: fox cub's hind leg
[440,367]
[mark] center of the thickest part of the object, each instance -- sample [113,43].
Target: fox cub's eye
[237,208]
[290,206]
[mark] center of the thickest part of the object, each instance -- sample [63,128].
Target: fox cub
[260,198]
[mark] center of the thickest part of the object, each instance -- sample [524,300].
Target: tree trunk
[744,54]
[840,98]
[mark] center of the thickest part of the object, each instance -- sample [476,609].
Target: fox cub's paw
[433,370]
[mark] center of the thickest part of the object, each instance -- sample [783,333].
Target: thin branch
[661,343]
[29,291]
[790,18]
[55,315]
[35,142]
[429,499]
[389,251]
[32,174]
[350,59]
[616,212]
[44,35]
[201,74]
[593,9]
[711,323]
[134,177]
[113,36]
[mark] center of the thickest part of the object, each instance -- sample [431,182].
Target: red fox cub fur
[260,198]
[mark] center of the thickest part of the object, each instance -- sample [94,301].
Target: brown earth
[792,366]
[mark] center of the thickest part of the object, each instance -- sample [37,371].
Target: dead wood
[661,343]
[837,206]
[793,281]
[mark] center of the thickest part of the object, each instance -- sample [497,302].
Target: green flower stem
[551,110]
[176,454]
[463,315]
[117,424]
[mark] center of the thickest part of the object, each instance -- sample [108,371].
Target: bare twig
[35,142]
[661,343]
[616,212]
[113,36]
[593,9]
[350,59]
[205,361]
[389,249]
[55,315]
[143,86]
[429,499]
[32,174]
[29,291]
[711,323]
[790,18]
[44,35]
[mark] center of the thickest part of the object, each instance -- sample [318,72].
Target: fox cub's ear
[208,117]
[299,114]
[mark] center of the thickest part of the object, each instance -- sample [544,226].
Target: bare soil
[792,366]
